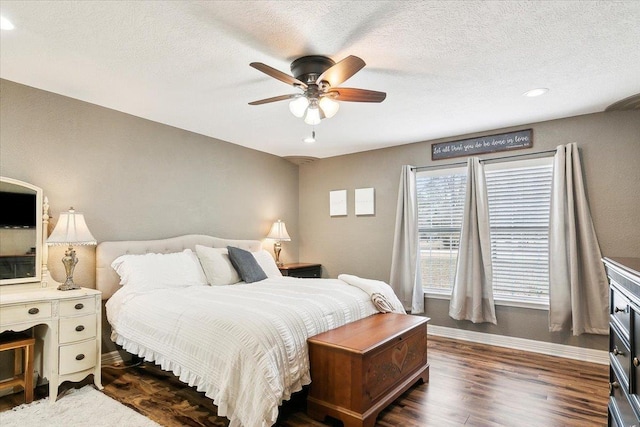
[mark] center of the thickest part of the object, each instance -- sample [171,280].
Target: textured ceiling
[448,68]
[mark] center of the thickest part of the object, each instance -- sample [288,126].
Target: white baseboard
[551,349]
[111,358]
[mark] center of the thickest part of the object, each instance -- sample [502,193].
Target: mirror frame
[40,238]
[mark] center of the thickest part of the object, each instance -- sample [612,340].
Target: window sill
[497,301]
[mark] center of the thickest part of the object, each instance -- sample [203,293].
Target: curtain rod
[489,160]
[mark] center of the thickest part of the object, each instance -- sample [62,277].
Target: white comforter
[243,345]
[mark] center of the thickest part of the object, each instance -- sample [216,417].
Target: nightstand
[302,269]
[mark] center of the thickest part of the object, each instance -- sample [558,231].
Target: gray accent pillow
[246,265]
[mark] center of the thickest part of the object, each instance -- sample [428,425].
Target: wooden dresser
[624,341]
[361,367]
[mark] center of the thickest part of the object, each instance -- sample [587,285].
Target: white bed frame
[108,281]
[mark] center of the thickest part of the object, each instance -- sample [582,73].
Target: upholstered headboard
[108,281]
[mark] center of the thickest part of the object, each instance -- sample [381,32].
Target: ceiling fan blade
[357,95]
[341,71]
[276,74]
[273,99]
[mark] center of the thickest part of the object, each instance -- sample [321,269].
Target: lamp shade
[279,232]
[71,229]
[312,117]
[329,106]
[298,106]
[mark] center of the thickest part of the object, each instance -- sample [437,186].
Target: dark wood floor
[470,384]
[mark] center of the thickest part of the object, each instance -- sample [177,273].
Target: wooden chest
[361,367]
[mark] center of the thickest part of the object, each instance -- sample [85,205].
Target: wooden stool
[22,372]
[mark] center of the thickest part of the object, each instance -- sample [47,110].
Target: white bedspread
[243,345]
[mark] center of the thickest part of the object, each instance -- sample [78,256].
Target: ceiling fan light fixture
[313,115]
[329,106]
[298,106]
[319,78]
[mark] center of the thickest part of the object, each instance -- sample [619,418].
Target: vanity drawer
[621,311]
[75,307]
[77,357]
[77,328]
[25,312]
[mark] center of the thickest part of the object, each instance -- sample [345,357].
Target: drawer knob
[617,352]
[34,310]
[636,362]
[619,310]
[613,385]
[80,356]
[79,328]
[79,306]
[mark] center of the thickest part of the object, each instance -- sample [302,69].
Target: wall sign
[338,203]
[365,201]
[484,144]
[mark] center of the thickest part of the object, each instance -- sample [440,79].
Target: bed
[243,345]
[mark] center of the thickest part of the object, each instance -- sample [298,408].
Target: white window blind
[440,208]
[519,195]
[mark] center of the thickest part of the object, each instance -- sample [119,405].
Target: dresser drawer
[619,404]
[77,357]
[77,328]
[621,356]
[390,364]
[621,311]
[25,312]
[76,307]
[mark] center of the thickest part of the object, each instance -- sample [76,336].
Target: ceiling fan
[318,78]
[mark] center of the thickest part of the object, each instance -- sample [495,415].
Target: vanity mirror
[21,232]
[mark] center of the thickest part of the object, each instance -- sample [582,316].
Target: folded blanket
[382,296]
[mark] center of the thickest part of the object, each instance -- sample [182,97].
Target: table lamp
[71,229]
[279,234]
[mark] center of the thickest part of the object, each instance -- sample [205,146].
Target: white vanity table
[66,324]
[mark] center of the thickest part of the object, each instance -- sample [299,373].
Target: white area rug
[78,408]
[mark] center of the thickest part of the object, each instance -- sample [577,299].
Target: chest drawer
[25,312]
[77,357]
[77,328]
[76,307]
[621,311]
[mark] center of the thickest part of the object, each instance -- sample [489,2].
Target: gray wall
[137,179]
[610,150]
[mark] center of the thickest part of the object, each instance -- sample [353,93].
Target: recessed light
[5,24]
[536,92]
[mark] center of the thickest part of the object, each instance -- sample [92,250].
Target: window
[440,208]
[519,195]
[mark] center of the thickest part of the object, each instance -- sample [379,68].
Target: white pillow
[150,271]
[217,266]
[267,263]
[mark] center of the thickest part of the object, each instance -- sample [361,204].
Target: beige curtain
[472,294]
[578,287]
[406,279]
